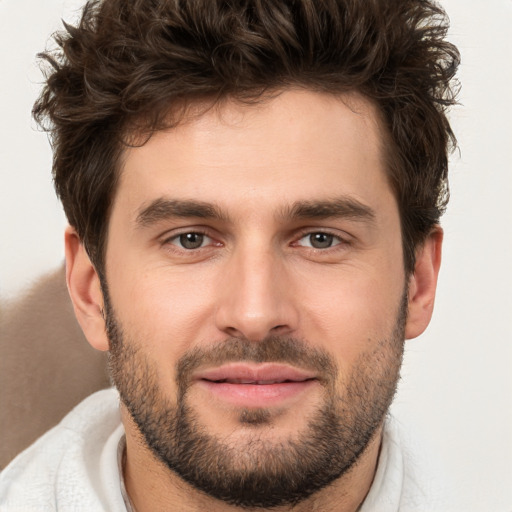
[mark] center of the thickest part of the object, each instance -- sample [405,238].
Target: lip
[255,385]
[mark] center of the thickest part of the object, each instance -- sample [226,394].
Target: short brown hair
[129,64]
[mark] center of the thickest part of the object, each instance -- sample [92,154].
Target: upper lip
[246,373]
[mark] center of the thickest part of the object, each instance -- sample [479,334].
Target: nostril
[278,328]
[234,332]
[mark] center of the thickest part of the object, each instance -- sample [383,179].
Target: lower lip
[257,395]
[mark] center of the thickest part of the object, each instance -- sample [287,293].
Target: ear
[85,291]
[423,284]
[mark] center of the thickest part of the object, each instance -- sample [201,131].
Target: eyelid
[343,237]
[168,237]
[206,241]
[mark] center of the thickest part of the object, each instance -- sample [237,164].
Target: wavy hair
[135,67]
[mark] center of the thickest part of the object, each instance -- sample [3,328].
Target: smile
[255,386]
[258,382]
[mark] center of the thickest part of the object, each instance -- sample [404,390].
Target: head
[129,70]
[254,190]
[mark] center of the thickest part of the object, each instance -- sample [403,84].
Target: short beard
[259,473]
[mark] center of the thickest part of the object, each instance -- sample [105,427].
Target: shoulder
[407,478]
[65,464]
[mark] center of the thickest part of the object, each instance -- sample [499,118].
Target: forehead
[295,146]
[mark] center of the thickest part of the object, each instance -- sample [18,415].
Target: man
[253,190]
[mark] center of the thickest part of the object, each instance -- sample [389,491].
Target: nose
[256,296]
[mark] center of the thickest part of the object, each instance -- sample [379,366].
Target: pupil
[191,240]
[321,240]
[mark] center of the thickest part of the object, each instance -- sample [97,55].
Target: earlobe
[85,291]
[423,284]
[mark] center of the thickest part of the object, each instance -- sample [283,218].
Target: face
[256,294]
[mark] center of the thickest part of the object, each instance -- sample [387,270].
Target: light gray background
[456,390]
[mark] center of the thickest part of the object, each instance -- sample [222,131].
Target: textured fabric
[75,467]
[121,456]
[404,480]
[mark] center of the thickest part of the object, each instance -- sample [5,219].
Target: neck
[152,487]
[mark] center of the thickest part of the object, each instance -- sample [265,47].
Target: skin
[256,273]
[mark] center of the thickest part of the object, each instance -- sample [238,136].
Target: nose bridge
[256,298]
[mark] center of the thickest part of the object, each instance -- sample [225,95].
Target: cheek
[162,308]
[351,314]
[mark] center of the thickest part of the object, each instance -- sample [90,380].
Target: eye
[191,240]
[319,240]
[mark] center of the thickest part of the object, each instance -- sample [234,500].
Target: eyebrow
[346,207]
[162,209]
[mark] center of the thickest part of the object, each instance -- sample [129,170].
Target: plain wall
[456,390]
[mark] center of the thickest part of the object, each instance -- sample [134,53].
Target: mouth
[254,382]
[255,385]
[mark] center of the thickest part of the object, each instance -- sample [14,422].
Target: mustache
[272,349]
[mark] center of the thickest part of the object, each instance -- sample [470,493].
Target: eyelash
[176,237]
[339,240]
